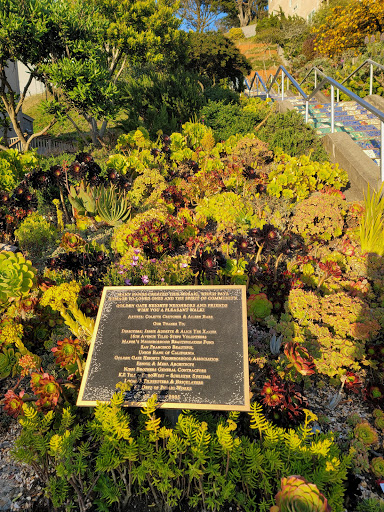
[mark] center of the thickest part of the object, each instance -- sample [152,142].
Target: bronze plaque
[189,345]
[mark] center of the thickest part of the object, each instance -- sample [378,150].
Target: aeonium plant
[298,495]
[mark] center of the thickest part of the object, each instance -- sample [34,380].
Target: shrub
[160,100]
[125,458]
[371,229]
[228,119]
[213,55]
[290,133]
[35,234]
[13,167]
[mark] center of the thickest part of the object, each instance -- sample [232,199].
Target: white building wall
[302,8]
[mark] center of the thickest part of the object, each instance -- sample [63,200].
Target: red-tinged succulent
[207,263]
[330,269]
[332,191]
[90,307]
[44,283]
[284,400]
[347,246]
[12,403]
[35,382]
[299,358]
[173,196]
[67,351]
[374,393]
[44,384]
[88,291]
[298,495]
[72,242]
[352,382]
[58,175]
[272,393]
[268,237]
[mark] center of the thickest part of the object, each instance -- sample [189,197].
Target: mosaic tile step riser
[362,126]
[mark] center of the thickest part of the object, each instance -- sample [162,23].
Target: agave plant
[83,199]
[17,276]
[112,206]
[297,495]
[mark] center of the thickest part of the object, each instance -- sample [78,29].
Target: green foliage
[371,229]
[377,467]
[204,463]
[371,505]
[119,239]
[212,55]
[17,277]
[367,435]
[112,206]
[288,32]
[111,35]
[289,133]
[228,119]
[35,234]
[296,178]
[230,211]
[14,166]
[160,100]
[258,305]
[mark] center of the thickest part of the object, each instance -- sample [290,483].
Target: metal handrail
[371,64]
[258,80]
[334,84]
[317,71]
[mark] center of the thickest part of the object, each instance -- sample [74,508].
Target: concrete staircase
[355,144]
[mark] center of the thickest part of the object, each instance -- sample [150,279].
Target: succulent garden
[191,208]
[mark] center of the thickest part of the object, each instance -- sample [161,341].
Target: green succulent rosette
[297,495]
[17,276]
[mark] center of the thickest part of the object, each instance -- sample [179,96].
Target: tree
[79,48]
[241,12]
[29,34]
[346,26]
[119,32]
[199,15]
[214,56]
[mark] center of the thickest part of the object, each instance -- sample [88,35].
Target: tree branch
[22,96]
[42,132]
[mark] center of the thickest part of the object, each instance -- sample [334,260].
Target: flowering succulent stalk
[297,495]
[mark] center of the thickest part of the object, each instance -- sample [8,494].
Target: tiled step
[350,117]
